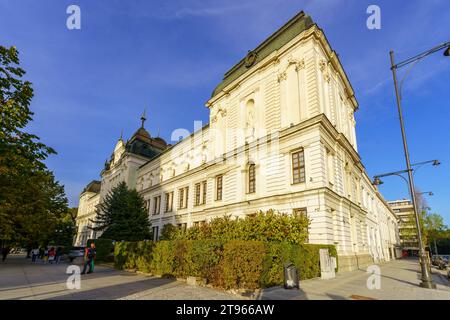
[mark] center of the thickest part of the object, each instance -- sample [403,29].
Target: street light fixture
[427,281]
[447,51]
[377,181]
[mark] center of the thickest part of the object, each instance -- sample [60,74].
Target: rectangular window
[181,198]
[204,185]
[169,202]
[252,178]
[298,167]
[156,204]
[300,212]
[186,191]
[219,187]
[197,194]
[182,226]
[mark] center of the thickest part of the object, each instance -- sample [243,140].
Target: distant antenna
[143,118]
[158,133]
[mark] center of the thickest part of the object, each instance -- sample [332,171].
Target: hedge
[262,226]
[232,264]
[103,247]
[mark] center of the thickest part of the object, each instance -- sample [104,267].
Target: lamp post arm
[420,55]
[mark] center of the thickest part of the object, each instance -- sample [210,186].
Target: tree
[31,200]
[434,229]
[65,229]
[122,215]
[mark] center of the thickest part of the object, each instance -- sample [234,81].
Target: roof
[299,23]
[143,144]
[93,186]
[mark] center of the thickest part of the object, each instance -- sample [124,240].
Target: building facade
[409,240]
[281,136]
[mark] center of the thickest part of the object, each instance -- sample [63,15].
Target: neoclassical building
[281,136]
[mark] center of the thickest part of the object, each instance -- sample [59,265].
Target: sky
[167,56]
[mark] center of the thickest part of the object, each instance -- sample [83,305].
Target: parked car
[441,262]
[76,252]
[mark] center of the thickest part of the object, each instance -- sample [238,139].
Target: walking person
[34,255]
[51,255]
[89,256]
[5,252]
[58,255]
[45,255]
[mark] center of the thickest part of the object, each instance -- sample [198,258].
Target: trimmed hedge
[103,247]
[262,226]
[232,264]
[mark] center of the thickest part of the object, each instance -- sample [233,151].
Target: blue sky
[91,84]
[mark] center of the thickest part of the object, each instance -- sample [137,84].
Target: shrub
[242,263]
[263,226]
[233,264]
[163,262]
[103,247]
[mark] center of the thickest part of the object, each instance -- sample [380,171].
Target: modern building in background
[407,226]
[281,136]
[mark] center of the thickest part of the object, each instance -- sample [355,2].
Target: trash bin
[290,276]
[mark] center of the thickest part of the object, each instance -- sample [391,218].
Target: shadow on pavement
[114,291]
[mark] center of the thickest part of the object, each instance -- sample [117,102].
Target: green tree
[123,215]
[65,228]
[31,200]
[434,229]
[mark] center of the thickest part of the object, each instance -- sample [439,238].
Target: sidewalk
[399,281]
[20,279]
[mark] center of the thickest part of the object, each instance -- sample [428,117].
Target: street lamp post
[427,281]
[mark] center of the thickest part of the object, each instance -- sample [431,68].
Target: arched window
[251,178]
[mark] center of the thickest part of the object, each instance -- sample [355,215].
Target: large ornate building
[281,136]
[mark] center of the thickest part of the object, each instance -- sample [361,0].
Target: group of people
[46,255]
[54,255]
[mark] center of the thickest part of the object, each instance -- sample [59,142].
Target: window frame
[300,153]
[219,190]
[251,178]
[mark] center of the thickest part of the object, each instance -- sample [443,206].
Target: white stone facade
[281,136]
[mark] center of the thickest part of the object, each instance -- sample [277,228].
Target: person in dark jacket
[5,252]
[89,256]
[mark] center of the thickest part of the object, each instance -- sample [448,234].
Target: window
[180,198]
[252,178]
[182,226]
[156,204]
[186,192]
[298,167]
[183,197]
[204,185]
[155,232]
[169,202]
[219,187]
[300,212]
[197,194]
